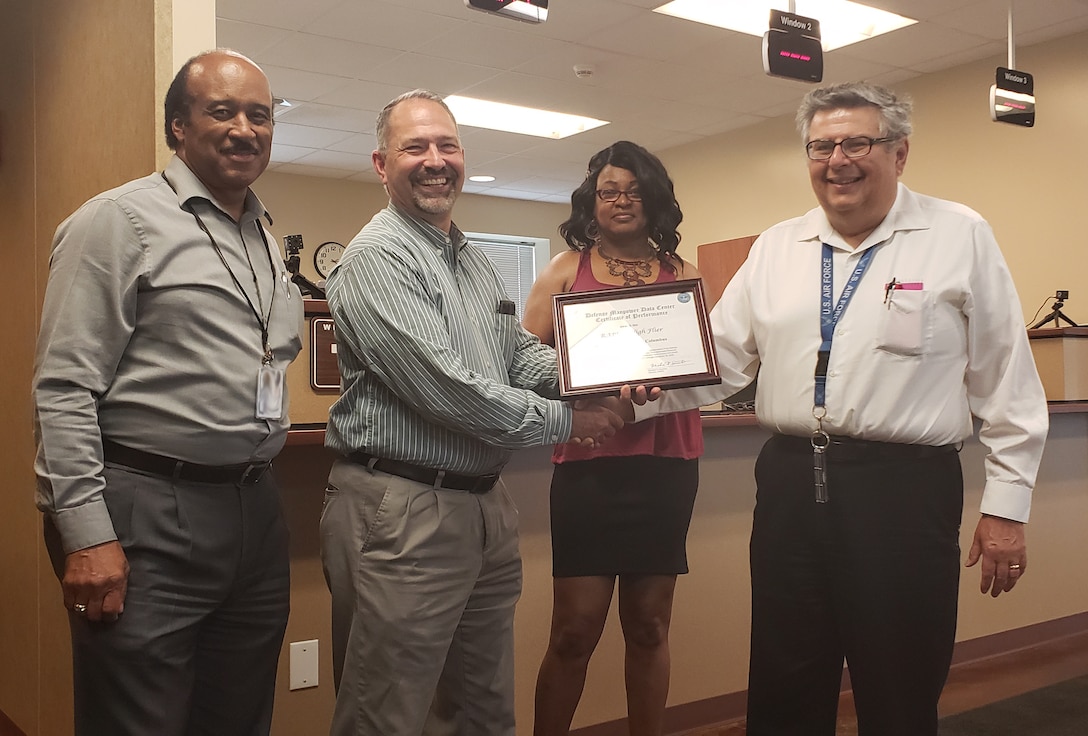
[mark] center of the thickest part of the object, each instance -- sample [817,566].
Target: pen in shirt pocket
[896,285]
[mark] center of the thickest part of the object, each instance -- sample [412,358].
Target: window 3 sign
[1012,98]
[529,11]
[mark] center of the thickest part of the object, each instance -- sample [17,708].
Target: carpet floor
[1056,710]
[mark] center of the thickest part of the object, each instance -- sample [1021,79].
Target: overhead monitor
[792,48]
[1012,98]
[529,11]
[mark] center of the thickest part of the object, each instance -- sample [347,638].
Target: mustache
[449,174]
[241,148]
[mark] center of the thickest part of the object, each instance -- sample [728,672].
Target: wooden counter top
[314,434]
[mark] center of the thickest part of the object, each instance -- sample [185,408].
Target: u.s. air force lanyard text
[830,313]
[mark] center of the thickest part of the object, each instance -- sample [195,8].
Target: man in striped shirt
[439,384]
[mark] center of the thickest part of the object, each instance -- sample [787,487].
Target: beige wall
[327,209]
[1031,184]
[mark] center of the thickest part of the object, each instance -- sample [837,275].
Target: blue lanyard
[829,316]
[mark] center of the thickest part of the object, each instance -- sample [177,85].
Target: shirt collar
[435,235]
[906,214]
[188,187]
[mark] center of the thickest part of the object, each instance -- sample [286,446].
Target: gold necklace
[632,272]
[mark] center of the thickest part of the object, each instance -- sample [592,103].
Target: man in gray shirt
[440,383]
[168,322]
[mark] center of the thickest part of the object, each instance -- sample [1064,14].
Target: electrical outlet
[303,664]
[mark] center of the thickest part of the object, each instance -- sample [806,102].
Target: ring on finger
[80,608]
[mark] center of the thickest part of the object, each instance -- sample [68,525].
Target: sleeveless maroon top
[678,435]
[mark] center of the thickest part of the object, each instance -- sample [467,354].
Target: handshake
[597,419]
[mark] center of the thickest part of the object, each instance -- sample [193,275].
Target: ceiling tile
[351,162]
[318,171]
[362,144]
[247,38]
[316,115]
[444,76]
[306,136]
[296,85]
[660,81]
[364,22]
[279,13]
[283,153]
[324,55]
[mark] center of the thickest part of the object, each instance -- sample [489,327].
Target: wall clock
[326,256]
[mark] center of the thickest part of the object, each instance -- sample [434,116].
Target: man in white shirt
[881,324]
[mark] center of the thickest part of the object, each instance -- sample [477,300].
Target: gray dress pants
[196,649]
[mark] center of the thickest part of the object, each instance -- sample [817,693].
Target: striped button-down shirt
[433,371]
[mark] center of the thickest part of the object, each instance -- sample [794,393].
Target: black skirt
[622,515]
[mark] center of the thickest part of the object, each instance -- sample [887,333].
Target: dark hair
[179,100]
[659,203]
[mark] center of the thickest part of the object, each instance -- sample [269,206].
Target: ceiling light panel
[516,119]
[841,22]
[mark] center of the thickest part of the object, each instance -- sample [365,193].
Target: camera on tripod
[1056,315]
[292,244]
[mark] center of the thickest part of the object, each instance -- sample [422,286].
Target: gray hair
[381,129]
[894,111]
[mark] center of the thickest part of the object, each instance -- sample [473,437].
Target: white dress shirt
[947,345]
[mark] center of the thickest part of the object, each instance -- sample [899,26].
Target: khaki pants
[424,584]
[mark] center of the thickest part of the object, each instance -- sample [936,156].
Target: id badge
[270,392]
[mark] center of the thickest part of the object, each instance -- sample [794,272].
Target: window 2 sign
[529,11]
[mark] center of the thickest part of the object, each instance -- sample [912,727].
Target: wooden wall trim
[7,728]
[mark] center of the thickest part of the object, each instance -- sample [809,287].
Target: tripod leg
[1052,317]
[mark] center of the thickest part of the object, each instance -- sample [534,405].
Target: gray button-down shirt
[147,340]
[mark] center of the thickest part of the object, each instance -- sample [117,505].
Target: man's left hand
[1001,545]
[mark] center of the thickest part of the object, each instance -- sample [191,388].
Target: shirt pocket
[505,335]
[906,323]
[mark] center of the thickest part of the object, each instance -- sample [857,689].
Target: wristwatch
[326,256]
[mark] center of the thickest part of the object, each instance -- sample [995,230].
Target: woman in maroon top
[619,511]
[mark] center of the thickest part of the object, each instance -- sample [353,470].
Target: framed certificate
[653,335]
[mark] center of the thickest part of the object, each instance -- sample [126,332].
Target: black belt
[428,476]
[848,449]
[245,474]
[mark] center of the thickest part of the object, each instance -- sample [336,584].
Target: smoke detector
[583,71]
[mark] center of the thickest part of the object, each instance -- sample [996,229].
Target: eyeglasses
[856,147]
[613,195]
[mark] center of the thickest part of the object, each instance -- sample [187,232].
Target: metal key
[820,441]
